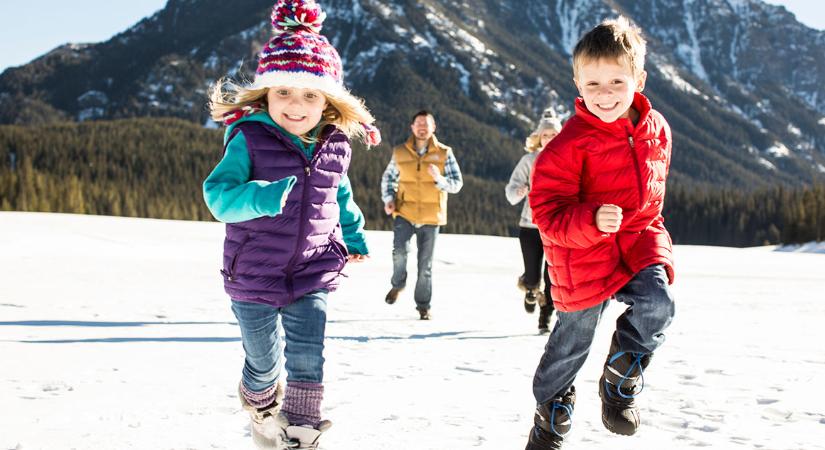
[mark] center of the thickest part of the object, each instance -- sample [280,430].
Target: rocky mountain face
[741,82]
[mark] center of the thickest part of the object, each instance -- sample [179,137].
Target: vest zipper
[418,207]
[230,274]
[301,219]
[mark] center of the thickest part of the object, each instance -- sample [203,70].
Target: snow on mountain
[493,64]
[115,333]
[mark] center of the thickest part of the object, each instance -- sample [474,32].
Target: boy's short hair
[615,39]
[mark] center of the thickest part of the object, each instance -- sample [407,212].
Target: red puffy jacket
[589,164]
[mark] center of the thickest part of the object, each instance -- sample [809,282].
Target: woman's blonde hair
[344,110]
[533,142]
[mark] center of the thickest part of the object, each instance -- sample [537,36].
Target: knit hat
[298,56]
[549,120]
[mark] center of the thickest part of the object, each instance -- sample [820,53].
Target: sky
[33,27]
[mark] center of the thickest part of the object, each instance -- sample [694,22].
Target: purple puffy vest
[276,260]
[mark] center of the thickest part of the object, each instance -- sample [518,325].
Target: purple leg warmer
[302,403]
[260,399]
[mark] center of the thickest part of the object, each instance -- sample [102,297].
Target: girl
[531,247]
[292,224]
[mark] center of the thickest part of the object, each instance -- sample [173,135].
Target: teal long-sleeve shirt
[232,197]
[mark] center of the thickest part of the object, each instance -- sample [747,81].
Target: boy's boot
[306,437]
[552,422]
[268,424]
[545,311]
[621,381]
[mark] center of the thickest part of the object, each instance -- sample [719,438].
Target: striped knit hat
[298,56]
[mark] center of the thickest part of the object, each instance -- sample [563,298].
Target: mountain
[740,81]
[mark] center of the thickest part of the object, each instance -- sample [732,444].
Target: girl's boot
[268,424]
[302,407]
[306,437]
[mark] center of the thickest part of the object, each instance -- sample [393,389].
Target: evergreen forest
[154,168]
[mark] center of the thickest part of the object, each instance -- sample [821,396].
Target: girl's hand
[522,191]
[355,258]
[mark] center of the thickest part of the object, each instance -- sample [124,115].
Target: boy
[597,198]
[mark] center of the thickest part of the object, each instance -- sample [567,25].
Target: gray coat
[521,177]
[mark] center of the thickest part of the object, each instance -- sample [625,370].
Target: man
[414,189]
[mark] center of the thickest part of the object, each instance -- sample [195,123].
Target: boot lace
[635,362]
[568,410]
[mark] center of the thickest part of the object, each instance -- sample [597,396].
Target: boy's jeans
[303,322]
[640,329]
[425,236]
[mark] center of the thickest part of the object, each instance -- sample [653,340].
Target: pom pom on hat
[294,15]
[298,56]
[549,119]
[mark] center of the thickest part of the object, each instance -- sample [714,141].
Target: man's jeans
[303,322]
[425,236]
[640,329]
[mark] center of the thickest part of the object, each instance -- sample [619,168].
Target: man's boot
[552,422]
[392,295]
[621,381]
[268,424]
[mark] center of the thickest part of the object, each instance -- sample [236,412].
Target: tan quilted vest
[418,199]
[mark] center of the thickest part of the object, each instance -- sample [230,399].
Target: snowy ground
[116,334]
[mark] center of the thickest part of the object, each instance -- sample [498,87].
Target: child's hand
[434,172]
[389,207]
[522,191]
[355,258]
[608,218]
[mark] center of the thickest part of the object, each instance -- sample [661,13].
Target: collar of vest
[432,144]
[264,118]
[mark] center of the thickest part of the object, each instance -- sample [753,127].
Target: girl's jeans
[640,329]
[303,322]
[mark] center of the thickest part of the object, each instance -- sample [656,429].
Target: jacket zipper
[638,171]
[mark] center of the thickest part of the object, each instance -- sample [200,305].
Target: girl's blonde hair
[344,110]
[533,142]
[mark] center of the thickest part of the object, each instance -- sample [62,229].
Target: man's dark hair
[424,113]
